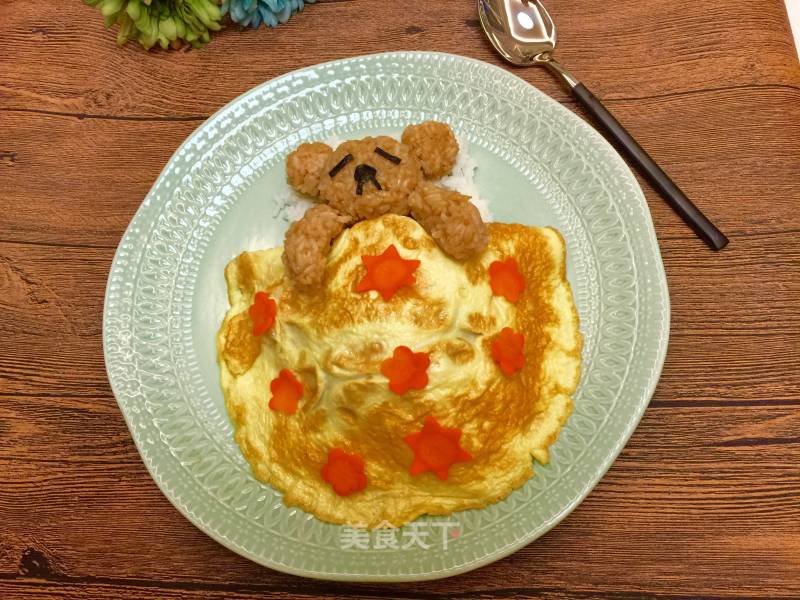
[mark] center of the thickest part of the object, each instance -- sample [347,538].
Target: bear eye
[340,165]
[390,157]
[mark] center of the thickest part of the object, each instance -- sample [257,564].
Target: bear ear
[305,165]
[434,145]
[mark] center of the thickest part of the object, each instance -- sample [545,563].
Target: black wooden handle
[704,228]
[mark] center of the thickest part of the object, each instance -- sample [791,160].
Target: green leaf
[134,9]
[111,7]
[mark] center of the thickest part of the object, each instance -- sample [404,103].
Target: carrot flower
[507,351]
[262,312]
[506,280]
[406,370]
[286,392]
[436,449]
[345,472]
[387,273]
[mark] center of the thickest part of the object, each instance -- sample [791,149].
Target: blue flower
[252,13]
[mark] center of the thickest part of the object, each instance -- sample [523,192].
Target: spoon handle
[625,143]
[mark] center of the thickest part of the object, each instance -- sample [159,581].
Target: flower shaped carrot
[406,370]
[286,392]
[387,273]
[506,279]
[436,449]
[507,351]
[262,313]
[345,472]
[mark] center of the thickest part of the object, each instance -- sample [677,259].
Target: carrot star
[436,449]
[387,273]
[286,392]
[507,351]
[406,370]
[262,313]
[345,472]
[506,279]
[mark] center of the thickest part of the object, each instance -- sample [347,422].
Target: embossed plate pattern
[538,164]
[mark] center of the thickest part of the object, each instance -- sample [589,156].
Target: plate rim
[509,549]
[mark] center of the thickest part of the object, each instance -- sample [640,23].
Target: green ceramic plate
[538,164]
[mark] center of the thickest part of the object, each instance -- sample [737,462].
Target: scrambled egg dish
[311,378]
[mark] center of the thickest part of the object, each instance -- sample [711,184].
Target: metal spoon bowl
[523,33]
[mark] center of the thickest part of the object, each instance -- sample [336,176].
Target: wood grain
[704,502]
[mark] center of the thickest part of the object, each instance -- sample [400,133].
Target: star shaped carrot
[262,313]
[286,392]
[345,472]
[387,273]
[507,351]
[436,449]
[406,370]
[506,279]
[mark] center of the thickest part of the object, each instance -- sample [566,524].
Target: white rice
[462,180]
[290,205]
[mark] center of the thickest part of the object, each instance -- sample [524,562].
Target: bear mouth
[365,174]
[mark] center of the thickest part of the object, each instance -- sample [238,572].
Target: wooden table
[705,500]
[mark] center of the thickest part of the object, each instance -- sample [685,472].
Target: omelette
[318,408]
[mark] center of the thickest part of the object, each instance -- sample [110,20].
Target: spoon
[523,33]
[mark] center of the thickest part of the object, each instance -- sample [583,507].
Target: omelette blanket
[432,393]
